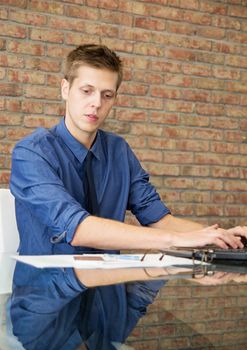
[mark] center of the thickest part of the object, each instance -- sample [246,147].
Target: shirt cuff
[73,224]
[152,213]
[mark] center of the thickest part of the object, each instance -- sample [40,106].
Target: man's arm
[170,222]
[109,234]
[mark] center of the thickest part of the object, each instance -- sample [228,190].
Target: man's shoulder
[37,138]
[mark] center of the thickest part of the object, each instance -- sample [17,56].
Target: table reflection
[76,309]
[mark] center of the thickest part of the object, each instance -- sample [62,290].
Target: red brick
[164,118]
[208,158]
[82,12]
[236,160]
[47,35]
[43,64]
[178,157]
[7,118]
[134,88]
[162,169]
[180,54]
[163,66]
[196,69]
[4,177]
[37,121]
[197,18]
[16,3]
[117,127]
[236,61]
[233,185]
[147,23]
[27,17]
[2,73]
[136,142]
[155,78]
[176,133]
[11,61]
[47,7]
[126,114]
[180,28]
[225,98]
[166,12]
[213,58]
[194,120]
[164,92]
[7,89]
[178,80]
[149,103]
[2,44]
[17,133]
[196,95]
[223,73]
[181,106]
[31,106]
[195,197]
[226,22]
[48,93]
[218,9]
[161,143]
[228,48]
[6,147]
[220,147]
[13,30]
[237,11]
[209,184]
[57,109]
[143,129]
[24,47]
[149,155]
[20,76]
[141,48]
[209,109]
[179,182]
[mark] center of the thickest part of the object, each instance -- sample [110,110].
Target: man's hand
[214,235]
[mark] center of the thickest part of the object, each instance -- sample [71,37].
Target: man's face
[89,100]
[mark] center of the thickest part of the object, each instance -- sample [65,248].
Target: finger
[238,230]
[231,240]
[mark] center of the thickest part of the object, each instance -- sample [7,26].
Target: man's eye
[86,91]
[108,96]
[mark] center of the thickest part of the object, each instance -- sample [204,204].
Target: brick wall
[182,107]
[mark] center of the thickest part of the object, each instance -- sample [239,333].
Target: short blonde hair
[97,56]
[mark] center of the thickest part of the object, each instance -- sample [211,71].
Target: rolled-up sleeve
[36,184]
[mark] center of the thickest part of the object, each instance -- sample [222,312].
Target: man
[50,179]
[72,185]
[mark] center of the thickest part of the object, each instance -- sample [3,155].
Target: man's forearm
[109,234]
[170,222]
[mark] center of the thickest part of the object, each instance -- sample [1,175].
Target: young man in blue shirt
[48,177]
[56,215]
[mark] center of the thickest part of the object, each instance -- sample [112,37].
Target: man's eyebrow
[93,87]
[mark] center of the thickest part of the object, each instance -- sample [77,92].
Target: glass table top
[153,308]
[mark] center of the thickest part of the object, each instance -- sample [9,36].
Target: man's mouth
[92,117]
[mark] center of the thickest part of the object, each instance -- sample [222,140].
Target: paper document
[103,261]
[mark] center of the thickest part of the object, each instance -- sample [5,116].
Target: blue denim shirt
[47,182]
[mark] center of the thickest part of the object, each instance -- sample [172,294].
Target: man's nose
[96,99]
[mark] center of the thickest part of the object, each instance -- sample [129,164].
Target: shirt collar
[78,149]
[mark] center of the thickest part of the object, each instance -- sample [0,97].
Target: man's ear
[64,89]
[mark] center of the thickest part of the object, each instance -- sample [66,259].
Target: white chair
[9,239]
